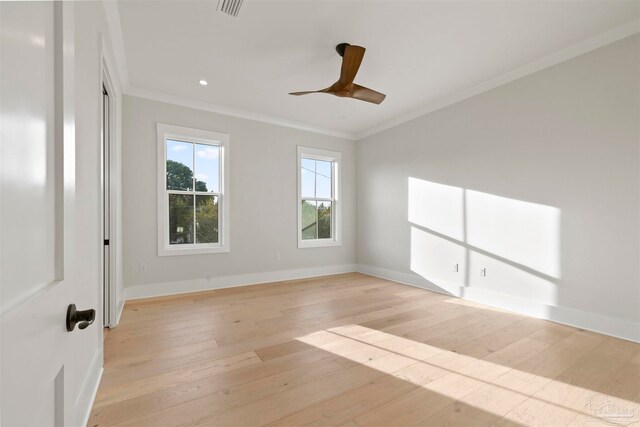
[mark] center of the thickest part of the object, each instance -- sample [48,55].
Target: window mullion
[206,193]
[193,185]
[193,161]
[334,165]
[317,223]
[194,217]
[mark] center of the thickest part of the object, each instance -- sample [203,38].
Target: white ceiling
[418,52]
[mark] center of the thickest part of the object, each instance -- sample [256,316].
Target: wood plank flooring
[354,350]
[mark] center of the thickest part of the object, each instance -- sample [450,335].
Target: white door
[37,213]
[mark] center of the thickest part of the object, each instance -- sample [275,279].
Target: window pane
[324,220]
[179,165]
[323,187]
[308,164]
[206,219]
[323,179]
[309,220]
[180,219]
[207,168]
[323,168]
[308,184]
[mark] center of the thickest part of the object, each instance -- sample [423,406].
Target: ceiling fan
[345,87]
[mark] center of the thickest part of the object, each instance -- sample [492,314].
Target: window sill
[305,244]
[173,251]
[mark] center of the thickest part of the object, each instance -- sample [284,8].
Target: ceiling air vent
[229,7]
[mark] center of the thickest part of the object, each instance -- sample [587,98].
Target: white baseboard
[618,328]
[408,279]
[119,312]
[186,286]
[89,389]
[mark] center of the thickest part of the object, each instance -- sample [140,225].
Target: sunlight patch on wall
[435,258]
[437,207]
[523,232]
[457,235]
[508,279]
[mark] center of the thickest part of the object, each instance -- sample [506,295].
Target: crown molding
[112,16]
[113,21]
[233,112]
[603,39]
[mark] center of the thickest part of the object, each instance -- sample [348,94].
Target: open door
[106,206]
[37,216]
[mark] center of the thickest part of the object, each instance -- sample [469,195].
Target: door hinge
[106,242]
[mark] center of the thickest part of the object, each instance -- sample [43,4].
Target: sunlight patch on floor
[485,384]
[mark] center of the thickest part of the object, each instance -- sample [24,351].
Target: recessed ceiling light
[203,82]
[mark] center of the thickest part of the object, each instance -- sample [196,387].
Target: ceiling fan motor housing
[341,48]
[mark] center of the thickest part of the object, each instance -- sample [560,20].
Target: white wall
[90,31]
[263,205]
[537,181]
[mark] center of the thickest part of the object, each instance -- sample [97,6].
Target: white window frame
[199,136]
[336,200]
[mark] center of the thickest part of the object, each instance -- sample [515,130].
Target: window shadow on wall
[462,240]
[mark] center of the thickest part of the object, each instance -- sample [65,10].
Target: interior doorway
[106,199]
[109,302]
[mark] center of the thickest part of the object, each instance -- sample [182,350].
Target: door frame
[110,305]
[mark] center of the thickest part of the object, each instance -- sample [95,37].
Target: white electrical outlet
[143,268]
[483,272]
[278,257]
[455,268]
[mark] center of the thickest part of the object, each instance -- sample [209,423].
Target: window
[193,198]
[318,198]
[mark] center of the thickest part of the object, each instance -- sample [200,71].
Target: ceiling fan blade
[305,93]
[330,89]
[365,94]
[351,61]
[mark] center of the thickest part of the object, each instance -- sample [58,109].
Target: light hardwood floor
[354,350]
